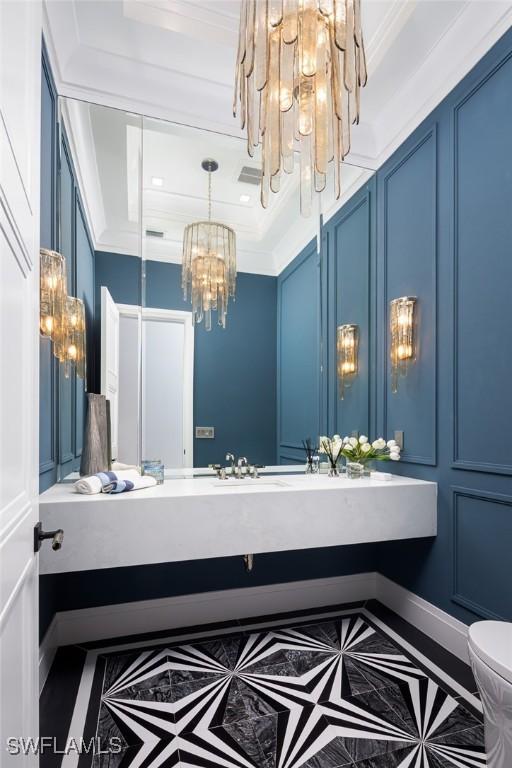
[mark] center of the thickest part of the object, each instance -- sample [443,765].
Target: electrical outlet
[205,433]
[399,438]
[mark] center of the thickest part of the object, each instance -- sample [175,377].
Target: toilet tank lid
[492,642]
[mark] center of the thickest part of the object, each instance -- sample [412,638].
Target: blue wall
[434,223]
[445,235]
[299,404]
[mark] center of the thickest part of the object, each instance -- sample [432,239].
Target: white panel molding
[480,25]
[124,619]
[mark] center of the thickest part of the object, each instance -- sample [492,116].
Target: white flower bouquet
[357,451]
[362,451]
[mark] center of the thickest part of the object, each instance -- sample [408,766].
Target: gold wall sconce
[61,317]
[70,344]
[347,346]
[402,331]
[53,291]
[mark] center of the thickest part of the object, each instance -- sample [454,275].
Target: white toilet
[490,652]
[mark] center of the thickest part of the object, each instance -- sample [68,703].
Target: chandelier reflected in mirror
[299,70]
[209,263]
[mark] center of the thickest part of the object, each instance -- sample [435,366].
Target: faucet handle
[230,457]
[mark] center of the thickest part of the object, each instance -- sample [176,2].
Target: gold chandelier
[209,263]
[300,67]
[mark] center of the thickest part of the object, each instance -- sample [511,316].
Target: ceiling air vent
[249,175]
[153,233]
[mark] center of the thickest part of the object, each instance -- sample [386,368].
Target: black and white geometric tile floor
[325,692]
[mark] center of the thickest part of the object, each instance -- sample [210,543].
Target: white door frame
[20,126]
[185,318]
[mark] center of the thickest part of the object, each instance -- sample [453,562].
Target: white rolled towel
[114,482]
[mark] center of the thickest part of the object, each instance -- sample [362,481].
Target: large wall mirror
[179,392]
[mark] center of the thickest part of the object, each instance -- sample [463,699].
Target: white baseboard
[208,607]
[449,632]
[91,624]
[47,650]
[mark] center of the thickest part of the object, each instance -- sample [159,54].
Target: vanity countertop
[202,517]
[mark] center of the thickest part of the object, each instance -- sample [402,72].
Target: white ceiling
[174,59]
[119,155]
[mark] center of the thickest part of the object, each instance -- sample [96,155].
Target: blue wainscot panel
[235,376]
[349,269]
[408,200]
[299,333]
[482,535]
[483,274]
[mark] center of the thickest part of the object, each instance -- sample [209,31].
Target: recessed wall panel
[299,350]
[483,275]
[482,539]
[351,274]
[410,260]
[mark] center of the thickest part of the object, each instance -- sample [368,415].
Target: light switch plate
[207,433]
[399,438]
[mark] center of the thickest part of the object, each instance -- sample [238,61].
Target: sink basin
[248,483]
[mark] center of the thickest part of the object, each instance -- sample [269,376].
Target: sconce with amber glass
[402,331]
[347,345]
[52,291]
[70,342]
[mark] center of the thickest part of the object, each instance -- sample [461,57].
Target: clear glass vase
[355,470]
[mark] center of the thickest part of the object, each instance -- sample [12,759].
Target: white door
[110,362]
[167,389]
[20,84]
[129,384]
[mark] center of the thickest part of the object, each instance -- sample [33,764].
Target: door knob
[57,537]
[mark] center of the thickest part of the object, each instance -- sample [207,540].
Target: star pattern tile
[322,695]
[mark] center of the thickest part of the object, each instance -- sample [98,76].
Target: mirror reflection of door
[167,386]
[110,363]
[167,381]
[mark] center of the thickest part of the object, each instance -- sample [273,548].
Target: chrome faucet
[242,462]
[231,458]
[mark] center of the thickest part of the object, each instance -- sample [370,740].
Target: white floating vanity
[202,517]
